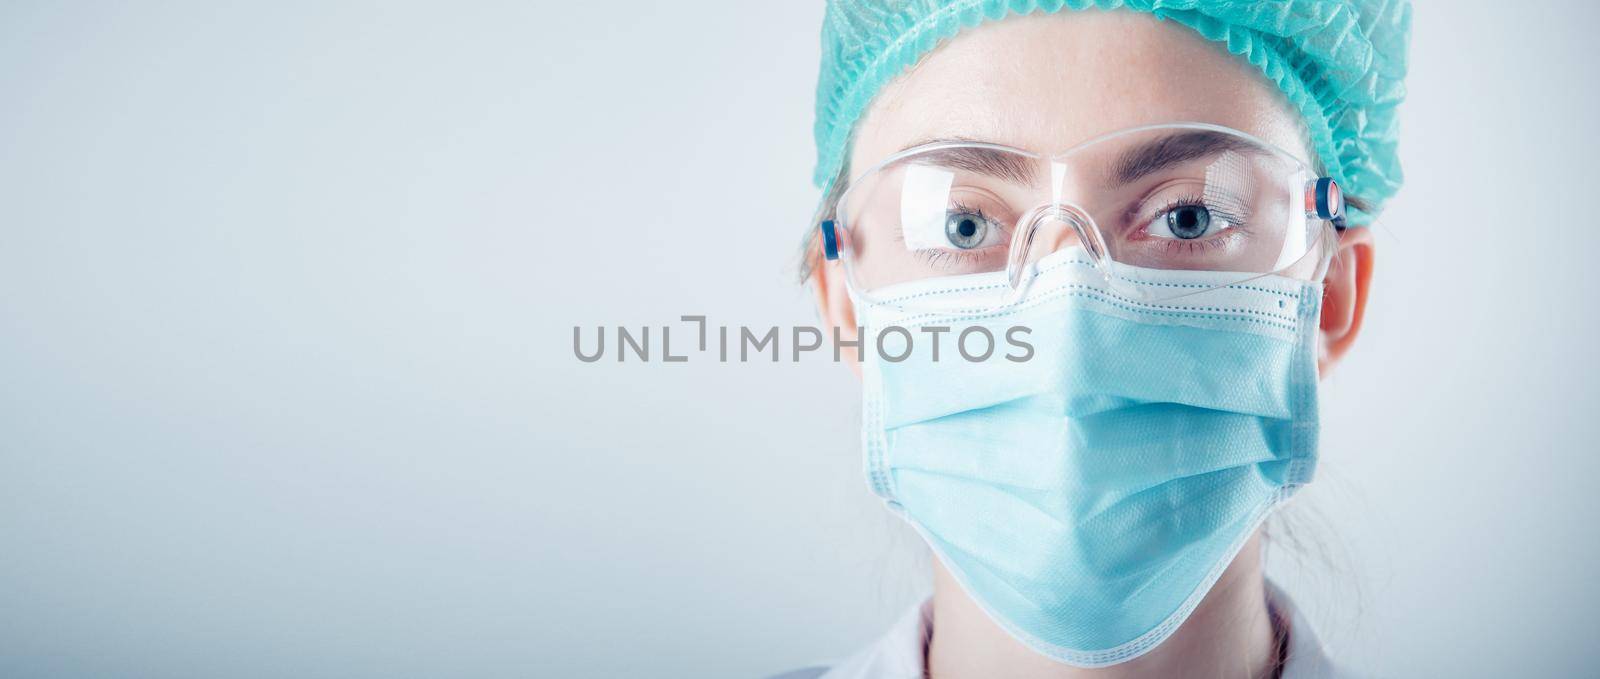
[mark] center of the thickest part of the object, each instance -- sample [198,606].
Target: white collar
[902,652]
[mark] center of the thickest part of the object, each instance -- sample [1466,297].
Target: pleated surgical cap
[1342,64]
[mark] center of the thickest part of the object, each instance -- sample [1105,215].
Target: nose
[1046,230]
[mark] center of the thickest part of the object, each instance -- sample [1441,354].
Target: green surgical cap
[1342,63]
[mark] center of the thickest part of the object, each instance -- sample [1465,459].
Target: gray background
[287,387]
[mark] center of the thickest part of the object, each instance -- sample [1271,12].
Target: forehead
[1047,82]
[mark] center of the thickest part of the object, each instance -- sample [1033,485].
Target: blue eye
[966,230]
[1189,221]
[1186,222]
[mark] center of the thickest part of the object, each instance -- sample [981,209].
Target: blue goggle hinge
[830,240]
[1324,200]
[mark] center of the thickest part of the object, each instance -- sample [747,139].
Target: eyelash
[1238,228]
[1235,220]
[943,257]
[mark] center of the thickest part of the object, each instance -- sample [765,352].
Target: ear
[1344,295]
[834,307]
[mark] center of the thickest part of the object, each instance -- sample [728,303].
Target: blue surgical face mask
[1089,496]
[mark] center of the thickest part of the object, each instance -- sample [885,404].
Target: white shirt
[903,651]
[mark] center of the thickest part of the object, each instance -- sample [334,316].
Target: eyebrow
[1160,154]
[992,162]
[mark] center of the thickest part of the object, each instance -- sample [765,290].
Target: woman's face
[1048,82]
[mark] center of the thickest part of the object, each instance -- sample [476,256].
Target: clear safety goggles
[1176,197]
